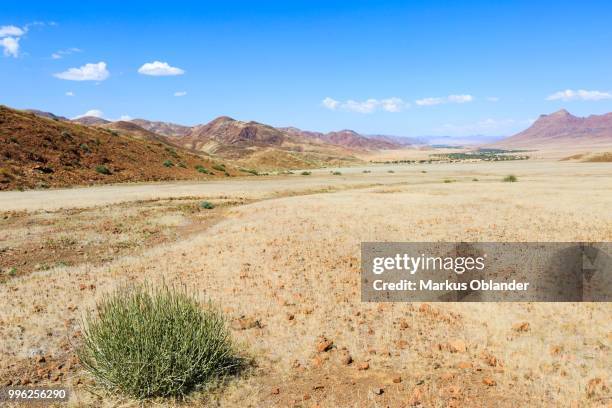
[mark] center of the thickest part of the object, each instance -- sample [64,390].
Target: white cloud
[180,93]
[69,93]
[61,53]
[444,99]
[11,46]
[158,68]
[11,31]
[579,95]
[96,113]
[493,98]
[330,103]
[88,72]
[368,106]
[125,117]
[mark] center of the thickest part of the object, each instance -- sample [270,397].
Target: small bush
[148,343]
[252,171]
[168,163]
[102,169]
[172,152]
[336,173]
[510,178]
[448,180]
[390,171]
[305,173]
[218,167]
[474,179]
[85,148]
[366,171]
[182,165]
[207,205]
[201,169]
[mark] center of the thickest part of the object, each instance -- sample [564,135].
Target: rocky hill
[37,152]
[562,129]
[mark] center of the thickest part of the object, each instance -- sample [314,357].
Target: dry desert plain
[280,255]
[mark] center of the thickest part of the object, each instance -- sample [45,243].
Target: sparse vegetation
[305,173]
[172,152]
[390,171]
[252,171]
[182,165]
[168,163]
[218,167]
[147,342]
[207,205]
[102,169]
[201,169]
[336,173]
[448,180]
[474,179]
[366,171]
[510,178]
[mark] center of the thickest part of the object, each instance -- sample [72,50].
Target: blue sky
[408,68]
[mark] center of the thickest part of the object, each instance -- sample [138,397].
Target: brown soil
[37,152]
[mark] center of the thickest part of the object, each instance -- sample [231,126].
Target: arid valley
[280,255]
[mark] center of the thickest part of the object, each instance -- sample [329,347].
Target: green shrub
[510,179]
[336,173]
[182,165]
[448,180]
[102,169]
[207,205]
[201,169]
[168,163]
[218,167]
[474,179]
[148,342]
[252,171]
[172,152]
[305,173]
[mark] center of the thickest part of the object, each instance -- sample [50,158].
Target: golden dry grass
[292,264]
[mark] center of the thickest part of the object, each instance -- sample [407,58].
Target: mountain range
[43,149]
[561,129]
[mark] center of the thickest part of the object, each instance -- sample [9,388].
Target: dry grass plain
[281,257]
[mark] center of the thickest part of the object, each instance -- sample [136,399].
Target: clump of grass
[168,163]
[510,178]
[201,169]
[448,180]
[366,171]
[172,152]
[390,171]
[336,173]
[218,167]
[102,169]
[305,173]
[146,342]
[474,179]
[252,171]
[182,165]
[207,205]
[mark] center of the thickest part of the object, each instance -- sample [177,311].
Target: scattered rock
[457,346]
[346,358]
[324,344]
[377,391]
[245,323]
[489,381]
[396,379]
[275,391]
[464,364]
[363,366]
[520,327]
[596,386]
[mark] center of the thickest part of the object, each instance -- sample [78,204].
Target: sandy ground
[289,260]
